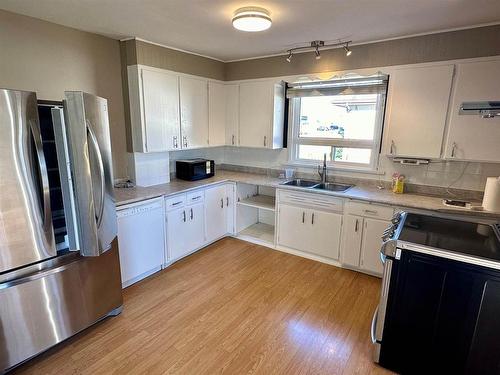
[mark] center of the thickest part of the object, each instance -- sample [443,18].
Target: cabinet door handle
[222,203]
[356,227]
[176,203]
[453,149]
[303,217]
[227,201]
[192,214]
[393,146]
[174,141]
[184,216]
[372,212]
[185,139]
[312,219]
[232,140]
[265,141]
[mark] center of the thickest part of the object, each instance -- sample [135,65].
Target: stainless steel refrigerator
[51,285]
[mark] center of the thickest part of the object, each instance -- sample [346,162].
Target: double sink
[310,184]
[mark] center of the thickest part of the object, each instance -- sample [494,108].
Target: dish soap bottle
[398,183]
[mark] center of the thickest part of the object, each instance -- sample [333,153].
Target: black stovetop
[479,240]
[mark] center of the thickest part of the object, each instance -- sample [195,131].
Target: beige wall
[484,41]
[139,52]
[47,58]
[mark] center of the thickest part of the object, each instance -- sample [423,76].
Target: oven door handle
[382,257]
[374,325]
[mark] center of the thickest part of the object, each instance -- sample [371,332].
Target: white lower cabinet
[371,245]
[198,218]
[141,239]
[310,223]
[196,226]
[314,225]
[219,211]
[361,236]
[185,229]
[292,227]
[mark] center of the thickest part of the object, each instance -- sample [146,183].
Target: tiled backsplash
[460,175]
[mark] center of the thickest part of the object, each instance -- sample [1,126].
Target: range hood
[485,109]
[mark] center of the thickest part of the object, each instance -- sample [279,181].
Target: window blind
[349,86]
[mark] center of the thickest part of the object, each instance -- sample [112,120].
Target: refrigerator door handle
[95,145]
[374,325]
[46,213]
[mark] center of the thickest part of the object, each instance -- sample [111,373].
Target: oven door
[377,327]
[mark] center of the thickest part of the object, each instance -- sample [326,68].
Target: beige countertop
[360,192]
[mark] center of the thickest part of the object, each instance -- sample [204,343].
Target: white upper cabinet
[154,110]
[216,114]
[472,137]
[232,97]
[417,108]
[261,114]
[194,112]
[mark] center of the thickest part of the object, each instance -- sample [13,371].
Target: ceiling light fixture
[252,19]
[316,45]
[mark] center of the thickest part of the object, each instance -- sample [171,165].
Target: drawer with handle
[195,197]
[171,203]
[311,200]
[369,210]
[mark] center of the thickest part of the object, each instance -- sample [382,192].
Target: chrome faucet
[322,171]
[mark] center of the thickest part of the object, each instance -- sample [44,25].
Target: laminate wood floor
[232,308]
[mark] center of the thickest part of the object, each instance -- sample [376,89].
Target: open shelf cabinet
[255,213]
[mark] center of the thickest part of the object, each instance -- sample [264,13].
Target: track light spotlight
[318,55]
[316,45]
[348,52]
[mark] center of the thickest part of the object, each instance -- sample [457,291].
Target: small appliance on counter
[194,169]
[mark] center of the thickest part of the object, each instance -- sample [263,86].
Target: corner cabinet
[472,137]
[361,236]
[417,107]
[261,114]
[154,110]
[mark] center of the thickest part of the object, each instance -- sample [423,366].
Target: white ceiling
[204,26]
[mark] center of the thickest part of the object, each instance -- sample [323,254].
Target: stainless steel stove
[440,297]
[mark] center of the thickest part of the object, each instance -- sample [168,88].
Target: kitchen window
[340,118]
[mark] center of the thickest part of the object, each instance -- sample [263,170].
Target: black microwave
[194,169]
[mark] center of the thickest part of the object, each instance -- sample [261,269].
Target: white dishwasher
[141,239]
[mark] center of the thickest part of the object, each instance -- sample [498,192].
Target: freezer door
[45,304]
[87,127]
[26,234]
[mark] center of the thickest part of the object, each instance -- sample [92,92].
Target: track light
[348,52]
[316,45]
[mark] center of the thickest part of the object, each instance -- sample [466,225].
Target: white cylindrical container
[491,199]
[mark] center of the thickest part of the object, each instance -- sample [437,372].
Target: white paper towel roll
[491,199]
